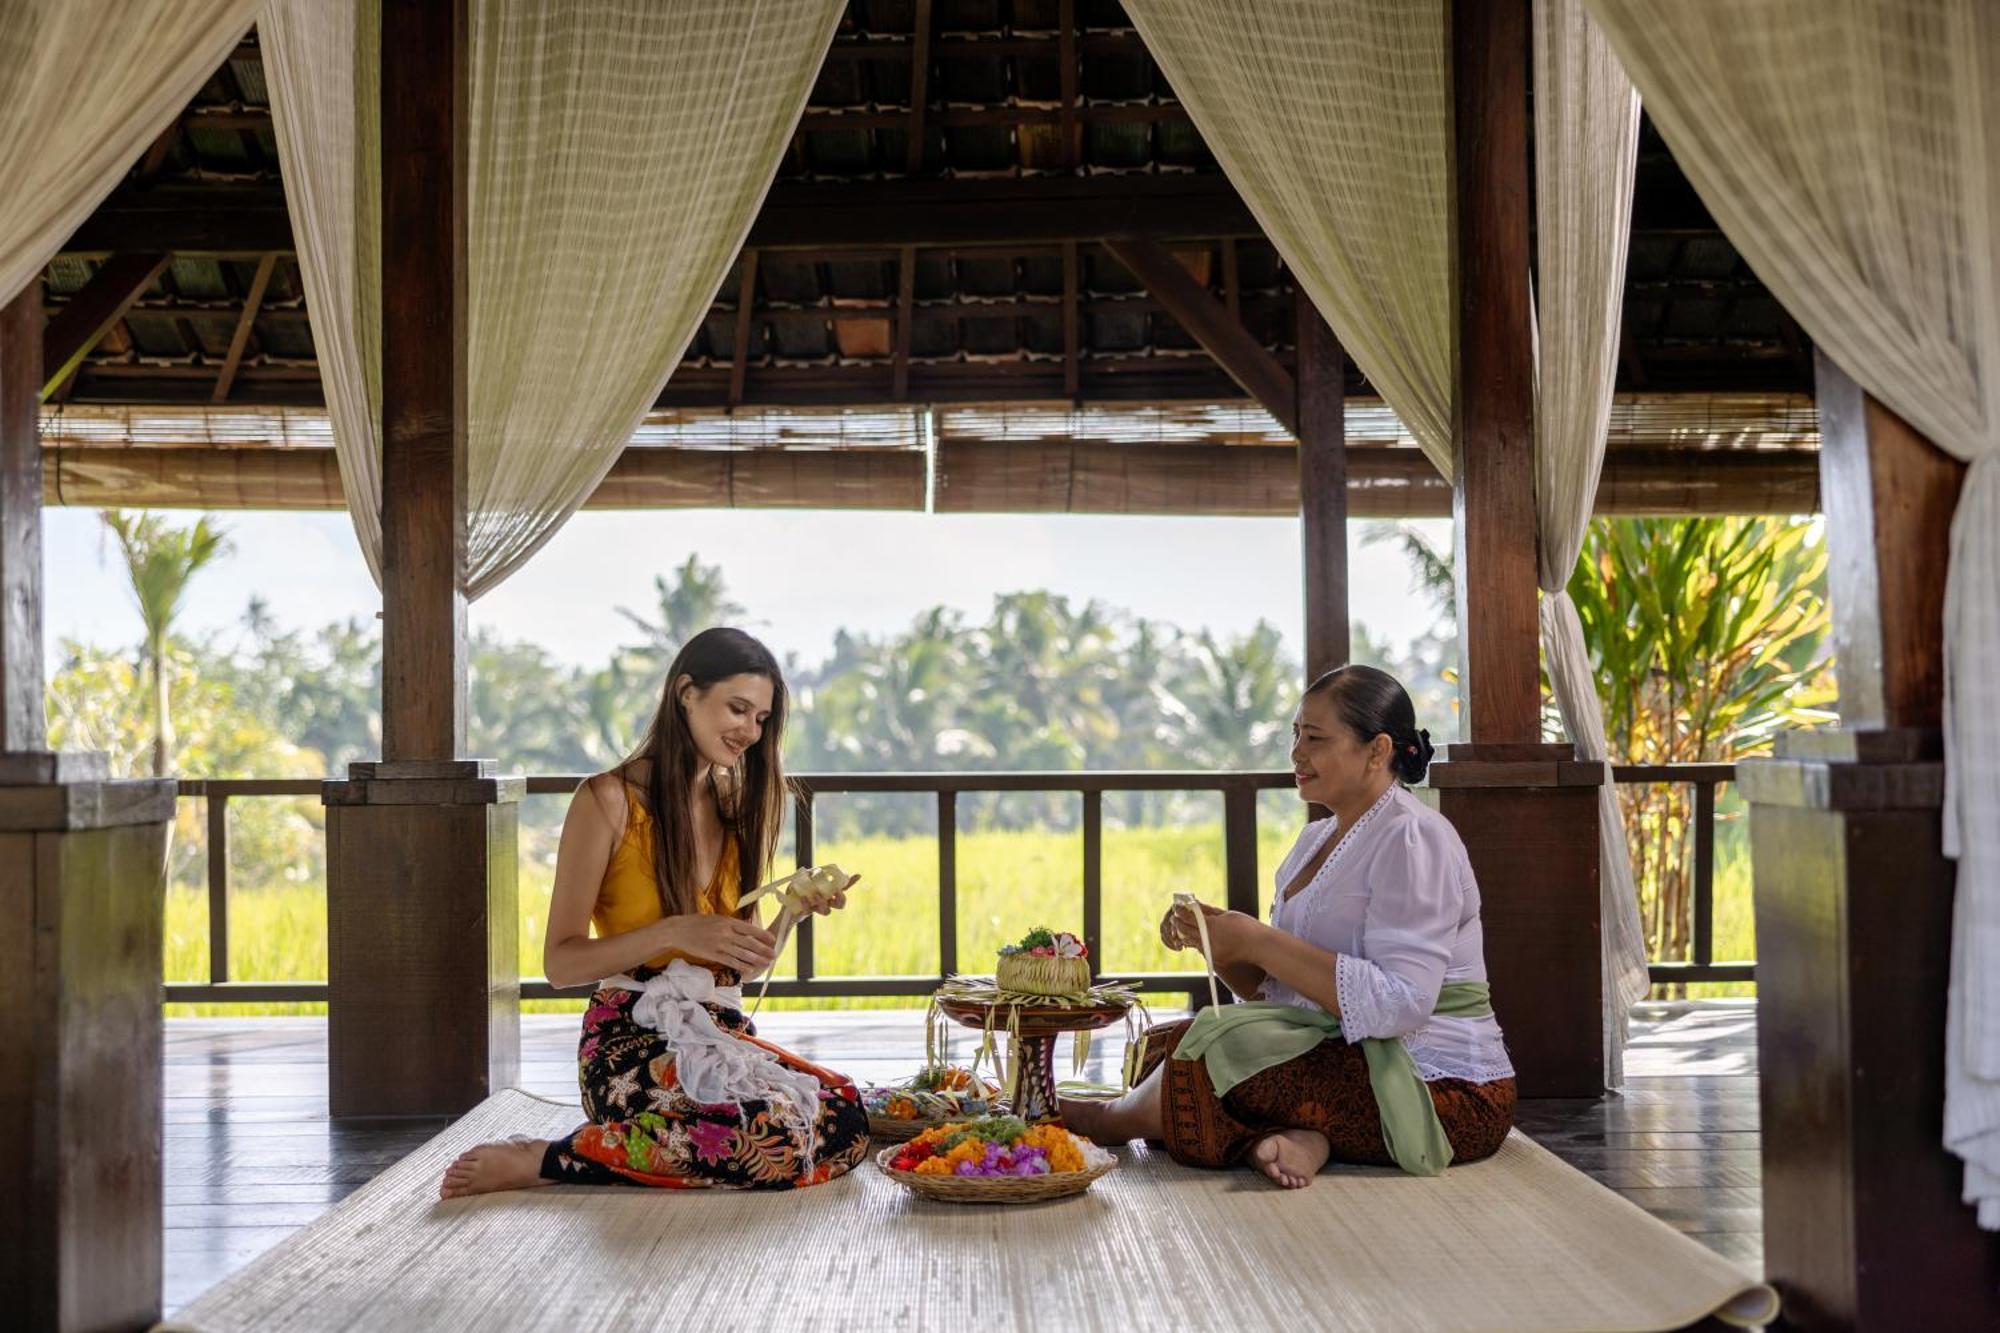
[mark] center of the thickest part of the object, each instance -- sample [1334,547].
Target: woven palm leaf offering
[796,895]
[937,1095]
[1040,990]
[995,1159]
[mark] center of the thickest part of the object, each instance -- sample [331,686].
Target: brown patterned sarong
[1326,1089]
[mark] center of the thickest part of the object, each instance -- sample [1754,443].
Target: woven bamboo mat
[1520,1241]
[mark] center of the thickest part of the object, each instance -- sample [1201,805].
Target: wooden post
[423,987]
[1863,1226]
[1526,812]
[1321,378]
[424,71]
[82,879]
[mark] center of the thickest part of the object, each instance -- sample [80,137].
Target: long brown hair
[751,803]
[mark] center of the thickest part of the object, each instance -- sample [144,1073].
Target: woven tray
[1001,1189]
[891,1130]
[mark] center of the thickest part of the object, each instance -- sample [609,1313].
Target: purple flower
[968,1169]
[714,1141]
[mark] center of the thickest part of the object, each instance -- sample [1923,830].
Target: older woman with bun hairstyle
[1369,1036]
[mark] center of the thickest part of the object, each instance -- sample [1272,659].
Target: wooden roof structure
[987,202]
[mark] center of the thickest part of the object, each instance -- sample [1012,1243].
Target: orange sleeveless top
[629,896]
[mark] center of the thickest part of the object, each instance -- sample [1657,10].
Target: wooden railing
[1241,883]
[1704,778]
[1240,880]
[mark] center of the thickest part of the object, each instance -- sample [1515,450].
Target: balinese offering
[995,1159]
[998,1145]
[1045,962]
[937,1095]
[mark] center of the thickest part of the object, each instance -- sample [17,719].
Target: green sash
[1237,1041]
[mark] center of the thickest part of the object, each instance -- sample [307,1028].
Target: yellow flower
[1065,1153]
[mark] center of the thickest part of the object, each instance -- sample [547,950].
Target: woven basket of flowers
[995,1159]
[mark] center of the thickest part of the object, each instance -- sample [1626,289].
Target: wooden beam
[1072,325]
[746,317]
[22,727]
[93,311]
[1034,476]
[244,320]
[1248,361]
[906,313]
[929,213]
[920,79]
[424,72]
[1322,375]
[1493,426]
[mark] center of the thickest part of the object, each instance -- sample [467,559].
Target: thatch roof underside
[994,191]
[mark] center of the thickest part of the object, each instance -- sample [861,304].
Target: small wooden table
[1036,1027]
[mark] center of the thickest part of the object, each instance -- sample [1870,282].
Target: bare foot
[1291,1157]
[512,1165]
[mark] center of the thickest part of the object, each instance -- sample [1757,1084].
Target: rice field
[1008,881]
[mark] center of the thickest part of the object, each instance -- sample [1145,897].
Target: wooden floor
[251,1155]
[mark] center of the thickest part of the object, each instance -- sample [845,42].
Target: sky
[801,574]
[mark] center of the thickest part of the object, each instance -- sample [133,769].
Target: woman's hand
[1232,936]
[824,904]
[731,941]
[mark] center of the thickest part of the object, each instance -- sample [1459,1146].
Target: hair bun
[1415,758]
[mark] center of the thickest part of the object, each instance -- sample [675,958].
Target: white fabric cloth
[1850,149]
[1397,902]
[1586,145]
[1333,120]
[85,86]
[715,1067]
[617,154]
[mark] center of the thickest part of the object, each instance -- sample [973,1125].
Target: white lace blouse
[1397,903]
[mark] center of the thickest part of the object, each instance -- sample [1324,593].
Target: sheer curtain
[85,85]
[1586,145]
[618,154]
[1333,120]
[1851,150]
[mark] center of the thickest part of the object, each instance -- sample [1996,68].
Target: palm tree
[694,600]
[162,560]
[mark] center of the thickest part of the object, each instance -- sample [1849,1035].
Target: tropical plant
[695,599]
[1706,636]
[162,559]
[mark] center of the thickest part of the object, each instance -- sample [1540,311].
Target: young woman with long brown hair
[679,1090]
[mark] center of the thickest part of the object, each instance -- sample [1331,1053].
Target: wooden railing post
[1093,878]
[218,888]
[802,846]
[1239,847]
[947,834]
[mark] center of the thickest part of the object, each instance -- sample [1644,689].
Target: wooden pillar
[1526,811]
[424,70]
[1863,1227]
[82,883]
[1322,428]
[422,923]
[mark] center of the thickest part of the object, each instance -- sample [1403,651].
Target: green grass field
[1007,883]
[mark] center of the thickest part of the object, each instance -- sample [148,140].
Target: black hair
[1374,703]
